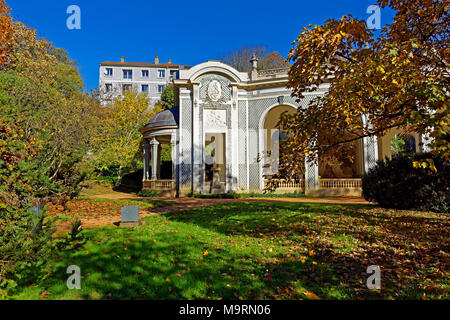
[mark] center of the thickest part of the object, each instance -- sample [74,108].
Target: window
[161,73]
[108,87]
[127,74]
[175,74]
[144,73]
[109,72]
[126,87]
[161,88]
[145,88]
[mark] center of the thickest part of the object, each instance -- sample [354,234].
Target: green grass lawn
[245,250]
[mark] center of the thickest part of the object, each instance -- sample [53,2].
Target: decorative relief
[215,119]
[214,90]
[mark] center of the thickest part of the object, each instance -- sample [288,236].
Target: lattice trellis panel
[228,150]
[254,176]
[186,146]
[199,171]
[254,181]
[370,152]
[311,176]
[242,140]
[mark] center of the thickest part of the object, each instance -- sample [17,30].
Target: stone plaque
[215,120]
[130,214]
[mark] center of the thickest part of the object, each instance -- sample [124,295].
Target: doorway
[215,163]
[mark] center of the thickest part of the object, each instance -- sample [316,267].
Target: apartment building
[150,78]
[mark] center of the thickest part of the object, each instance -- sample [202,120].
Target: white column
[173,142]
[146,160]
[425,141]
[155,156]
[197,161]
[248,147]
[234,141]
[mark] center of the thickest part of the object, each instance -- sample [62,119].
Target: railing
[273,72]
[340,183]
[288,184]
[324,183]
[159,184]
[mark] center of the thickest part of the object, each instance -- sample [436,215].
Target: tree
[44,92]
[273,60]
[58,123]
[30,55]
[5,33]
[24,245]
[240,59]
[45,121]
[398,80]
[167,100]
[118,139]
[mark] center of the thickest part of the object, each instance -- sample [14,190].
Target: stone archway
[270,138]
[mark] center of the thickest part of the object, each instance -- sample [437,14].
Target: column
[173,142]
[425,142]
[197,140]
[146,160]
[312,183]
[155,156]
[234,142]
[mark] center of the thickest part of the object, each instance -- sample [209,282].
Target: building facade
[150,78]
[224,138]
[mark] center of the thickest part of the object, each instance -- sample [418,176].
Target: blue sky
[189,32]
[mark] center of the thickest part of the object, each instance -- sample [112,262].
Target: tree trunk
[119,176]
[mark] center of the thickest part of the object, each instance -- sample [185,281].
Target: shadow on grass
[259,219]
[346,239]
[255,250]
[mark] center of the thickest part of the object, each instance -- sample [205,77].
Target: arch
[262,136]
[215,67]
[412,140]
[264,114]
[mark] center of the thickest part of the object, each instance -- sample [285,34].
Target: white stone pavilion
[223,136]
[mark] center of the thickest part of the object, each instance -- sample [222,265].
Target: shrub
[26,245]
[231,195]
[399,184]
[148,193]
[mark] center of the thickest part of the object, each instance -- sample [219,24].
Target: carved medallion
[214,90]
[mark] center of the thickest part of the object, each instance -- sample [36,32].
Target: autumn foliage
[5,33]
[118,140]
[45,119]
[397,80]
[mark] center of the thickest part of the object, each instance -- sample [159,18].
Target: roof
[166,119]
[142,64]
